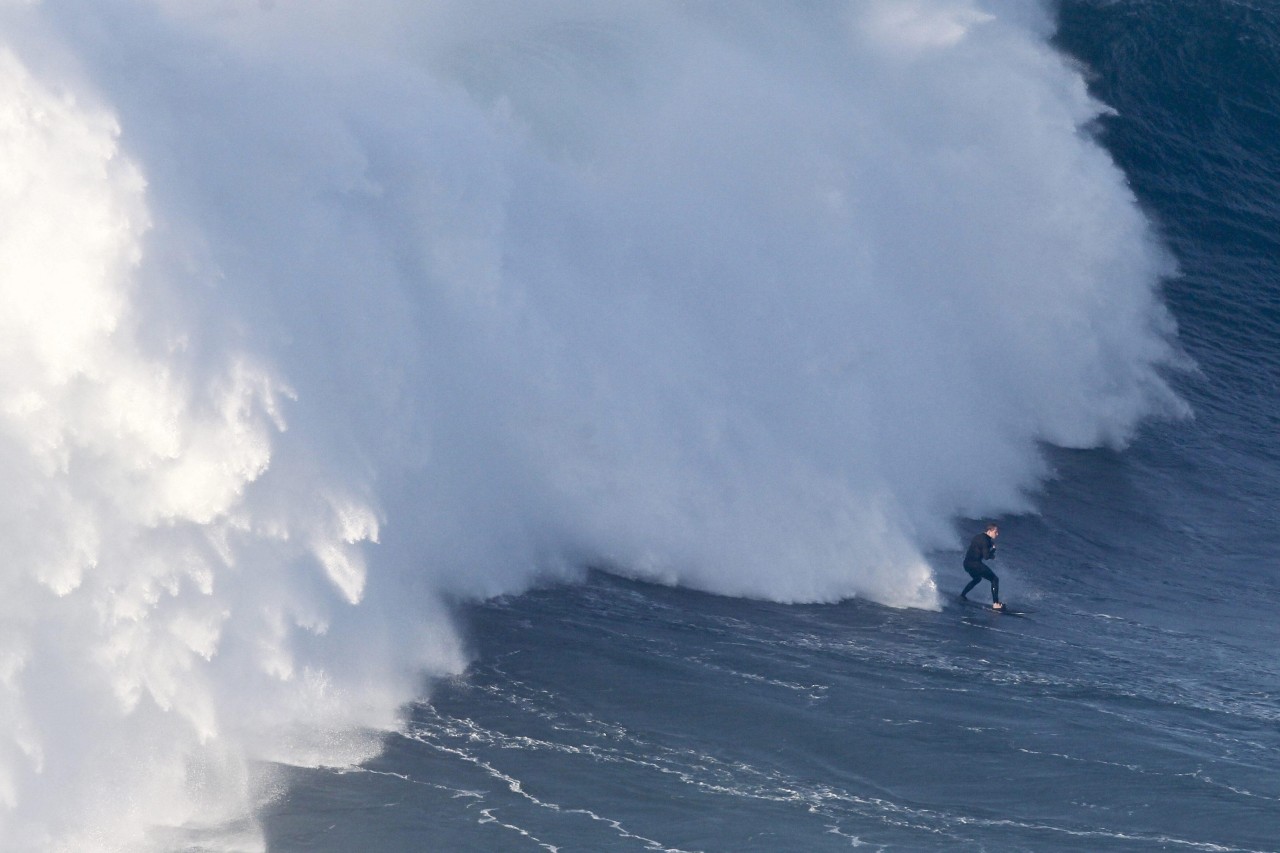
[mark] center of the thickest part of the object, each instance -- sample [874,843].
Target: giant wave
[320,316]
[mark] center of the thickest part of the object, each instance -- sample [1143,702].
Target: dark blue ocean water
[1136,708]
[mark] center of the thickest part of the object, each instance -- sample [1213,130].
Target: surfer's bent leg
[979,572]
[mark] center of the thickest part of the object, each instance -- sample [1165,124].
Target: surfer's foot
[964,597]
[997,606]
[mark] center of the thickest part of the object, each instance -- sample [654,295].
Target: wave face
[319,316]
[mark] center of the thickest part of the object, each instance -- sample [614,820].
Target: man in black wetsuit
[983,547]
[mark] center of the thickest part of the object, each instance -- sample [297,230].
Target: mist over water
[317,317]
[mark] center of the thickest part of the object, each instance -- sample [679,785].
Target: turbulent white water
[318,315]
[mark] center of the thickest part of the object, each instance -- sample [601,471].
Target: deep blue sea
[1135,708]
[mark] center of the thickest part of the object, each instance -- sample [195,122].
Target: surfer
[983,547]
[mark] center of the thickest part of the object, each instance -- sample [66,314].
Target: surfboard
[1007,610]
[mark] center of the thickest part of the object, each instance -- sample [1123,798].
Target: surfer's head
[993,531]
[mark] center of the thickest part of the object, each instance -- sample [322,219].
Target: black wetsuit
[983,547]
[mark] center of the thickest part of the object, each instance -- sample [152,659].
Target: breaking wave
[316,317]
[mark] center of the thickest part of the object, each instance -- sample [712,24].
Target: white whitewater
[317,316]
